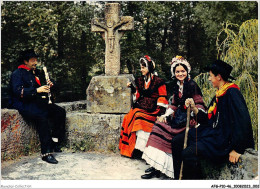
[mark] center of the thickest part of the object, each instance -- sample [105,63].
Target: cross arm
[126,23]
[97,25]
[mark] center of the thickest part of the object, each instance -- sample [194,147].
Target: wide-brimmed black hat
[25,55]
[223,68]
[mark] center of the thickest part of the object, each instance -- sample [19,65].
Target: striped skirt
[137,120]
[158,150]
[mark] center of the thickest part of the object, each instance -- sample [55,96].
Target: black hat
[222,68]
[26,55]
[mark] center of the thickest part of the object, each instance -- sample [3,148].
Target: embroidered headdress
[179,60]
[149,63]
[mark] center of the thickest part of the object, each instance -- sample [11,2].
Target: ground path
[86,170]
[76,166]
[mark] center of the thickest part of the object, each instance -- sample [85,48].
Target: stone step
[73,106]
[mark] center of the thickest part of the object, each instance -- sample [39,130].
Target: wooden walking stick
[186,137]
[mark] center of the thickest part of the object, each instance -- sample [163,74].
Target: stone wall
[18,137]
[85,131]
[100,132]
[245,169]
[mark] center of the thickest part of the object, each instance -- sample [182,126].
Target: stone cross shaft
[112,28]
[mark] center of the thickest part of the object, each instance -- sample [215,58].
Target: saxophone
[47,79]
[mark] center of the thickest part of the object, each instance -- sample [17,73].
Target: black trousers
[189,156]
[177,148]
[43,116]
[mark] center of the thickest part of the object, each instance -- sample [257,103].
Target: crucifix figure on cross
[112,29]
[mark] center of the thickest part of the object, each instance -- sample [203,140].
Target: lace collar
[180,86]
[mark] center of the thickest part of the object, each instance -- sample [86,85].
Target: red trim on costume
[146,85]
[24,67]
[38,80]
[162,94]
[234,86]
[147,57]
[137,94]
[231,86]
[215,109]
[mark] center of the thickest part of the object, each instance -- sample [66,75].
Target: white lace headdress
[179,60]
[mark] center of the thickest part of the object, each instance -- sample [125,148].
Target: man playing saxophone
[29,96]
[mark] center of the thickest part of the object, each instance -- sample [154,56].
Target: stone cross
[112,28]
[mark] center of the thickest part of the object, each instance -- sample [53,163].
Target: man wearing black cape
[225,131]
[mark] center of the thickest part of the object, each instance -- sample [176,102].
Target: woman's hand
[234,156]
[43,89]
[128,84]
[190,102]
[162,119]
[133,89]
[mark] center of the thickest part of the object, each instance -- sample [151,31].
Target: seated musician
[29,96]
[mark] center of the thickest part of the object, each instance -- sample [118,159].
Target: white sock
[55,139]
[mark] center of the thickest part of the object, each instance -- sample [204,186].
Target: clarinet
[47,79]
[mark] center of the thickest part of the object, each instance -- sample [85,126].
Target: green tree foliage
[60,31]
[239,49]
[211,14]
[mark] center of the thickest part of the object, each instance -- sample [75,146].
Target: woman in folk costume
[158,151]
[225,131]
[150,93]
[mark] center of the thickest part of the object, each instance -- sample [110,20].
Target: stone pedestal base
[93,132]
[109,94]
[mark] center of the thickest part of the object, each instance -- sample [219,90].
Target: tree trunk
[147,35]
[175,41]
[188,36]
[83,66]
[164,38]
[60,40]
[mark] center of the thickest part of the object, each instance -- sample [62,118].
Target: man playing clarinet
[29,95]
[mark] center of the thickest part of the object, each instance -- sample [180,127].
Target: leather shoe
[50,159]
[151,175]
[150,169]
